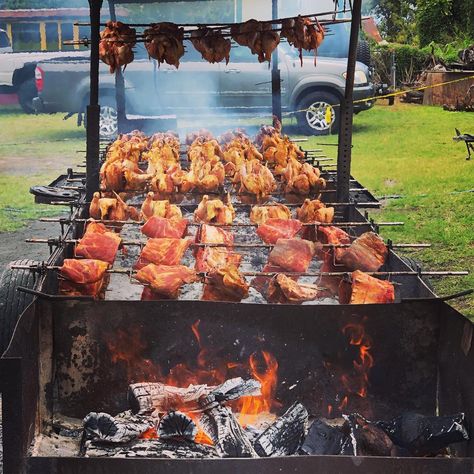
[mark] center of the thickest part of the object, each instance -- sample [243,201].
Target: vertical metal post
[119,83]
[345,132]
[276,78]
[93,109]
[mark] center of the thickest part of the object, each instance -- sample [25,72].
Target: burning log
[323,438]
[123,428]
[153,448]
[146,397]
[228,436]
[284,436]
[368,438]
[176,425]
[425,435]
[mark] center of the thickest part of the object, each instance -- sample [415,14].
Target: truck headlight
[360,78]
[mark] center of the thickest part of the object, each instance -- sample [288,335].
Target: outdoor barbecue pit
[128,386]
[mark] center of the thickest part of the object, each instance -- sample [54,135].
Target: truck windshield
[4,40]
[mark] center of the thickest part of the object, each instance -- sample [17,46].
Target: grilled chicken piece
[166,280]
[315,211]
[214,211]
[274,229]
[260,214]
[302,178]
[292,255]
[258,36]
[367,253]
[113,209]
[202,134]
[150,208]
[283,289]
[163,251]
[164,42]
[116,43]
[365,289]
[85,277]
[302,33]
[212,258]
[212,45]
[225,284]
[157,227]
[255,178]
[98,243]
[238,150]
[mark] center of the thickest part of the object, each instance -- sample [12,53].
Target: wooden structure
[449,94]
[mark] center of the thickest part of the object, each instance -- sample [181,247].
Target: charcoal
[368,438]
[323,438]
[228,436]
[176,425]
[284,436]
[425,435]
[123,428]
[152,448]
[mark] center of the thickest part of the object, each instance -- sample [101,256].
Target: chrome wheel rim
[108,121]
[316,116]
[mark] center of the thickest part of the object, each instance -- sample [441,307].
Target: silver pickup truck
[198,88]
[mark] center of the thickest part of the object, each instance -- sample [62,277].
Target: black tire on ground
[13,302]
[312,121]
[26,93]
[363,52]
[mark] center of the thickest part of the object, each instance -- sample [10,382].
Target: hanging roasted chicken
[212,45]
[116,43]
[164,42]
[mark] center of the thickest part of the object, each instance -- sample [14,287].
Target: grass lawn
[408,150]
[402,150]
[33,150]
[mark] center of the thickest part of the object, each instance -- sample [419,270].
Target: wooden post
[60,37]
[75,35]
[9,33]
[43,44]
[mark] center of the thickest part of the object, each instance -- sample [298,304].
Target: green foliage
[447,53]
[410,62]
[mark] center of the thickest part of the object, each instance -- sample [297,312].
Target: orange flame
[358,381]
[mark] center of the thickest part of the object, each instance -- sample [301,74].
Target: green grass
[408,150]
[33,150]
[403,150]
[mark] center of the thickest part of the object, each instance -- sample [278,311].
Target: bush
[410,62]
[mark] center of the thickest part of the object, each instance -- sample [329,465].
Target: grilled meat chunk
[85,277]
[163,251]
[292,255]
[157,227]
[225,284]
[166,280]
[274,229]
[283,289]
[367,253]
[365,289]
[98,243]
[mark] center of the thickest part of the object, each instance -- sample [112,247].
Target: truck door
[245,83]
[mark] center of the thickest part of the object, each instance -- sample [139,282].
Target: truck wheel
[13,302]
[363,52]
[312,120]
[108,126]
[26,93]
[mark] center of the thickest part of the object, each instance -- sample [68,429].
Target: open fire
[215,407]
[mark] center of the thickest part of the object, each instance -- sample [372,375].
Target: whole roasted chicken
[212,45]
[302,33]
[116,43]
[164,42]
[258,36]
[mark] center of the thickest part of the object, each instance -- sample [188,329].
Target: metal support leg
[276,78]
[93,110]
[347,109]
[12,415]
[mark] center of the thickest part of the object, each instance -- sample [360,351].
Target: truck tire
[363,52]
[312,118]
[13,302]
[108,127]
[26,93]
